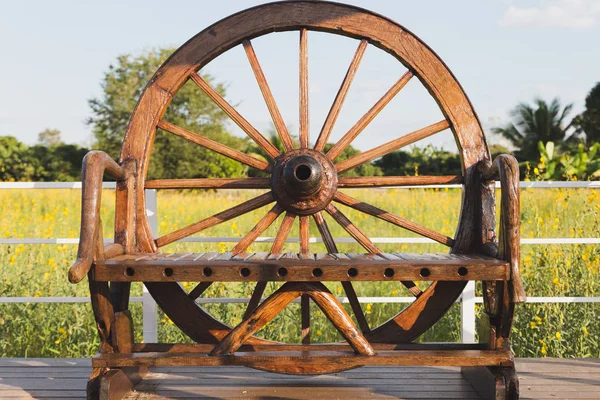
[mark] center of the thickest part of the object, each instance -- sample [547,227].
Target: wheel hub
[303,181]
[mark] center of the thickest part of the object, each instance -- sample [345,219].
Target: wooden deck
[66,378]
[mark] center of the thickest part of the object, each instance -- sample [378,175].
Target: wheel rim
[344,20]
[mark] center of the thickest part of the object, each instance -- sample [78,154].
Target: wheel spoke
[364,240]
[325,232]
[347,285]
[268,96]
[334,111]
[209,183]
[362,123]
[235,116]
[198,290]
[259,228]
[304,119]
[304,235]
[283,232]
[216,219]
[215,146]
[390,146]
[392,218]
[382,181]
[356,233]
[305,317]
[259,289]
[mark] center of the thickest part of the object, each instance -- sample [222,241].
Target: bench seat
[190,267]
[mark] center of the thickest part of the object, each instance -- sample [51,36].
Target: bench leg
[494,383]
[113,384]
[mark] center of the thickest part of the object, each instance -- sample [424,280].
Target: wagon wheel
[304,181]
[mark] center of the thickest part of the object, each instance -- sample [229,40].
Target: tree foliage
[540,122]
[172,156]
[420,161]
[588,122]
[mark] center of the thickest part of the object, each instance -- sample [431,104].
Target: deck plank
[66,378]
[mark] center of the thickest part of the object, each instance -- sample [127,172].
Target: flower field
[67,330]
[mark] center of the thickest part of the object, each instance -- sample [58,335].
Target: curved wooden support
[278,301]
[95,165]
[506,168]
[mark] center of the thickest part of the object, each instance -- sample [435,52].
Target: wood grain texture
[506,168]
[255,299]
[284,135]
[282,233]
[275,303]
[304,234]
[383,181]
[392,218]
[300,267]
[236,211]
[210,183]
[122,332]
[336,107]
[391,146]
[304,110]
[362,123]
[95,165]
[258,229]
[236,117]
[215,146]
[349,227]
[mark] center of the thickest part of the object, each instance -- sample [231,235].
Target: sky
[55,54]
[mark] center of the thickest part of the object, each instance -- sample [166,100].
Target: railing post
[149,310]
[467,313]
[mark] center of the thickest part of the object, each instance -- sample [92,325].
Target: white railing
[467,301]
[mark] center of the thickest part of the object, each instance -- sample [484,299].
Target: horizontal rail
[234,239]
[229,300]
[524,185]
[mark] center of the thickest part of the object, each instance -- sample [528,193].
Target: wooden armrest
[505,168]
[95,165]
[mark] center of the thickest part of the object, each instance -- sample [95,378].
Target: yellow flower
[540,221]
[536,171]
[585,331]
[558,335]
[319,333]
[532,324]
[555,281]
[544,350]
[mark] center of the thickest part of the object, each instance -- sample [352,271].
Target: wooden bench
[302,184]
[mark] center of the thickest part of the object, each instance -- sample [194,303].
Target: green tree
[588,122]
[60,162]
[49,137]
[172,156]
[420,161]
[540,122]
[16,162]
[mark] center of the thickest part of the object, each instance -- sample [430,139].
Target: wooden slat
[283,232]
[325,232]
[345,141]
[209,183]
[390,146]
[307,359]
[304,117]
[268,96]
[215,146]
[392,218]
[216,219]
[258,229]
[382,181]
[340,97]
[235,116]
